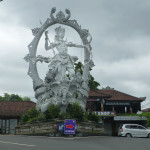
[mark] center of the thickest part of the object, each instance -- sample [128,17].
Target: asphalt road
[12,142]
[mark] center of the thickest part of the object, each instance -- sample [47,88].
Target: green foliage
[86,116]
[93,85]
[127,115]
[63,115]
[147,115]
[24,119]
[26,98]
[78,66]
[93,117]
[75,111]
[13,97]
[52,112]
[31,115]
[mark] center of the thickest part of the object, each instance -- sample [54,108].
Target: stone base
[50,129]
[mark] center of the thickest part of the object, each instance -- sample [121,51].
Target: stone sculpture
[59,88]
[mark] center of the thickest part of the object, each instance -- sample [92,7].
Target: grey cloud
[120,31]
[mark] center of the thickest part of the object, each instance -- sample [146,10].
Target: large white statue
[59,88]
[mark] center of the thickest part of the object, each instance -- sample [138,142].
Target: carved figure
[57,88]
[62,61]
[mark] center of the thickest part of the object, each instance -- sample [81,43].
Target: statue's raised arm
[52,45]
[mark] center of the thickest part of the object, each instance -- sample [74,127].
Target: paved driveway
[12,142]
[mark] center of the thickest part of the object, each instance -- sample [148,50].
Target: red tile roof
[15,109]
[98,93]
[114,95]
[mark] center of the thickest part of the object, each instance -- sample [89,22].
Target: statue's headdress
[59,29]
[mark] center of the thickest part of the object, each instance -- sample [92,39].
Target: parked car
[133,130]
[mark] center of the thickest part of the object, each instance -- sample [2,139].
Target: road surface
[12,142]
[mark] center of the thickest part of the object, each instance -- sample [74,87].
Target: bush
[63,115]
[40,117]
[74,111]
[52,112]
[86,116]
[24,119]
[30,115]
[93,117]
[147,115]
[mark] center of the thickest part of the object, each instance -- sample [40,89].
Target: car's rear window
[120,126]
[127,126]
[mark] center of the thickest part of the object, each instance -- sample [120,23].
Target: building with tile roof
[114,106]
[10,113]
[113,101]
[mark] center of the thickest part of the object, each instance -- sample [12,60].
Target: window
[13,124]
[120,127]
[128,126]
[133,127]
[141,128]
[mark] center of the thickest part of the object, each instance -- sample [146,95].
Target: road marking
[67,138]
[16,143]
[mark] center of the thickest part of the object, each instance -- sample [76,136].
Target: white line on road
[67,138]
[16,143]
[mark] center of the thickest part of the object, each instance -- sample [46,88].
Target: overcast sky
[120,46]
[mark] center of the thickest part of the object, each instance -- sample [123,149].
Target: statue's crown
[60,15]
[59,29]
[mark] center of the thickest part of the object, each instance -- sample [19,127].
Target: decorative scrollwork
[60,16]
[35,31]
[27,58]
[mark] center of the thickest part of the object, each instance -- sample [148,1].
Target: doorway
[5,126]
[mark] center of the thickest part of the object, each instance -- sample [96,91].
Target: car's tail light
[122,130]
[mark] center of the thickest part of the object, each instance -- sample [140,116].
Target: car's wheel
[128,135]
[148,135]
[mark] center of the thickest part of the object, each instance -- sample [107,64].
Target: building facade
[111,102]
[10,113]
[114,107]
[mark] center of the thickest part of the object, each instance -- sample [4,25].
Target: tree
[93,85]
[13,97]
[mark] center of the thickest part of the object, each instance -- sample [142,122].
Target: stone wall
[50,129]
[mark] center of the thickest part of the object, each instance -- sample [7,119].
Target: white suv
[133,130]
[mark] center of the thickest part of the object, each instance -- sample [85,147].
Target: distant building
[110,101]
[10,113]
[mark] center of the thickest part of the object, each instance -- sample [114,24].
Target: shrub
[52,112]
[86,116]
[40,117]
[24,119]
[74,111]
[63,115]
[93,117]
[30,115]
[147,115]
